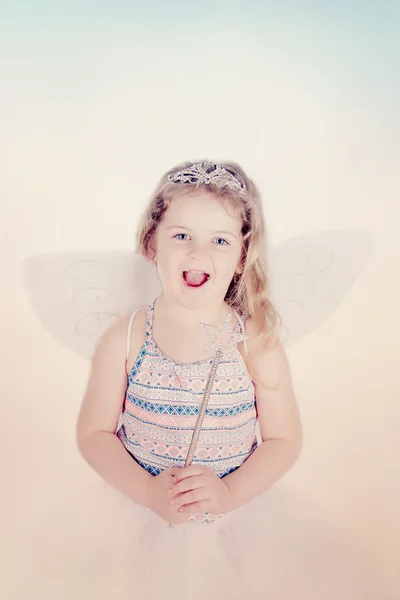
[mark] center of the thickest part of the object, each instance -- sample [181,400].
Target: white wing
[78,295]
[311,275]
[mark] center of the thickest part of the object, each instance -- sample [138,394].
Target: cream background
[89,126]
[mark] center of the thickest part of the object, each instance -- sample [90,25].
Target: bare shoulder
[278,413]
[116,338]
[113,340]
[258,343]
[106,387]
[267,355]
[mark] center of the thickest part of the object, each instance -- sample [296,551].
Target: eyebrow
[215,232]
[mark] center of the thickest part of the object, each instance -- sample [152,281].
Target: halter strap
[242,329]
[129,332]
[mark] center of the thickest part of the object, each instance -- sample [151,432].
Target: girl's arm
[99,415]
[280,426]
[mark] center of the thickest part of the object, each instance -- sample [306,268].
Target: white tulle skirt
[95,544]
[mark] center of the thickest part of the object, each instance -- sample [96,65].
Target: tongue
[195,279]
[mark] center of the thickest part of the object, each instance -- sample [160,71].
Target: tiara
[207,173]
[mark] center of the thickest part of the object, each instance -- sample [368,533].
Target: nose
[197,250]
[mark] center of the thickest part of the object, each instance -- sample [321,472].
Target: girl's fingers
[190,497]
[192,483]
[188,472]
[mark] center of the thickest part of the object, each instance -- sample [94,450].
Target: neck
[211,313]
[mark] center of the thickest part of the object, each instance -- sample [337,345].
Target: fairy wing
[311,275]
[78,295]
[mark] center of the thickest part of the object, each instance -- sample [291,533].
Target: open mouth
[195,278]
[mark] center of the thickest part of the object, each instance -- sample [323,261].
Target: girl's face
[198,247]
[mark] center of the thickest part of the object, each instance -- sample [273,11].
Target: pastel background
[97,101]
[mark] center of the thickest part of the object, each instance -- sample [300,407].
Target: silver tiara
[207,172]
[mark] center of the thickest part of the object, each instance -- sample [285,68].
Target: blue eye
[185,236]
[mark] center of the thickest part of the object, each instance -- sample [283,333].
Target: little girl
[205,231]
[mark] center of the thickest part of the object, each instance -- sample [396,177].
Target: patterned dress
[162,403]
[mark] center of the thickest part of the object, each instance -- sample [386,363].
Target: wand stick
[233,339]
[203,408]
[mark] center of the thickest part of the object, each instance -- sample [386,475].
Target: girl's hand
[198,489]
[158,499]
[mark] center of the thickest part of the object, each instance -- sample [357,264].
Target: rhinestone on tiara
[205,173]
